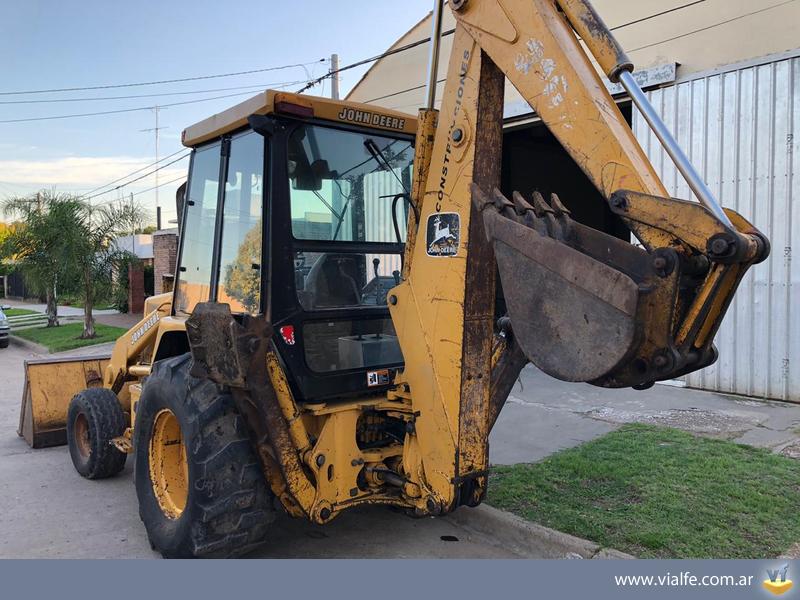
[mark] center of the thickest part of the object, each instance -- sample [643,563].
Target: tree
[93,256]
[37,244]
[242,281]
[63,238]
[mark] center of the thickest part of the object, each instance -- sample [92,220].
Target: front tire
[94,418]
[201,489]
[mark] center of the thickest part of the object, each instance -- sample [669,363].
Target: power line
[314,82]
[150,189]
[122,110]
[659,14]
[159,185]
[133,172]
[125,85]
[225,89]
[127,183]
[411,89]
[450,32]
[677,37]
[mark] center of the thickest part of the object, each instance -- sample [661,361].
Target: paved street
[47,510]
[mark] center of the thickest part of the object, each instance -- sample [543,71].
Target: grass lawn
[66,337]
[18,312]
[78,303]
[660,493]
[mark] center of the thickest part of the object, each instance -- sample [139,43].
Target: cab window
[344,185]
[197,236]
[240,252]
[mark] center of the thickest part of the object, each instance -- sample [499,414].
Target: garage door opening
[534,160]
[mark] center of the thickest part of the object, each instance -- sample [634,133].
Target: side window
[240,257]
[197,237]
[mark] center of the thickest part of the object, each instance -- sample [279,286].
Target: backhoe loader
[355,296]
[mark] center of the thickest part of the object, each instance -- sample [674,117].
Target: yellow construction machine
[355,295]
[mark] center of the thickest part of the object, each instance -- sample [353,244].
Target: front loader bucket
[578,299]
[49,387]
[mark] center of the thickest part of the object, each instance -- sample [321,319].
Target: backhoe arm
[583,305]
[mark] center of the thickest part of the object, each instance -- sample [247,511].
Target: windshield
[344,185]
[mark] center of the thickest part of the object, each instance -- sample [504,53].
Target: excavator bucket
[574,316]
[587,306]
[49,387]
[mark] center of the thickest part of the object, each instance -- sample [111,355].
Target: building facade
[725,77]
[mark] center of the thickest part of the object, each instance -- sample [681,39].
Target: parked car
[5,329]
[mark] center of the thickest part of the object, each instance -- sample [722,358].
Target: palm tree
[37,244]
[64,238]
[93,256]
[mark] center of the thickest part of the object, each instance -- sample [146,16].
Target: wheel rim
[82,439]
[169,473]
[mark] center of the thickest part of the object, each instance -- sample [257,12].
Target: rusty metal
[479,294]
[505,372]
[49,386]
[597,36]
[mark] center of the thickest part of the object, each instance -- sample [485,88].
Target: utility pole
[156,129]
[133,228]
[334,76]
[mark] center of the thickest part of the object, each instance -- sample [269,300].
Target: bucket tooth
[559,208]
[528,214]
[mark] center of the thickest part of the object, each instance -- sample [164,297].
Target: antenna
[156,129]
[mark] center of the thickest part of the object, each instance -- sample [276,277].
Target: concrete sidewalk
[63,311]
[543,415]
[71,314]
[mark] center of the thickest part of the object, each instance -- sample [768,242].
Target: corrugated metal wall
[740,129]
[378,189]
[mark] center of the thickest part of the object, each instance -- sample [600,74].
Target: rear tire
[211,498]
[94,418]
[4,343]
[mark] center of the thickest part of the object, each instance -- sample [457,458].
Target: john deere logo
[778,583]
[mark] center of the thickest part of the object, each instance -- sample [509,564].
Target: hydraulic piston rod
[673,149]
[618,67]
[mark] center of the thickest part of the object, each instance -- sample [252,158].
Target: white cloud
[83,171]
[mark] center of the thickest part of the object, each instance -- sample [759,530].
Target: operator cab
[302,217]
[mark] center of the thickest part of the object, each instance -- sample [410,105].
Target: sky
[49,44]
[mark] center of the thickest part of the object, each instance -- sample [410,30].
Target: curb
[528,539]
[28,345]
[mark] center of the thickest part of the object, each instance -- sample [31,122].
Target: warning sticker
[381,377]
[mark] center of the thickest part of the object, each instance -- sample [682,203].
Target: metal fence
[740,128]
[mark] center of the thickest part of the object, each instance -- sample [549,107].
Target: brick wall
[135,289]
[165,252]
